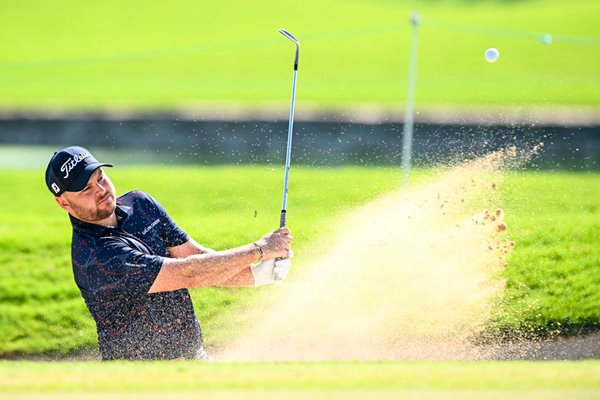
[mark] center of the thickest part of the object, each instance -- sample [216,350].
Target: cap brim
[81,181]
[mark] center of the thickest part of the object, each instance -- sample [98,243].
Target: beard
[102,210]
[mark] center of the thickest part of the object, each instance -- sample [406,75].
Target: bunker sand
[412,275]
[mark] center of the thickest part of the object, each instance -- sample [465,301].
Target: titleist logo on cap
[72,162]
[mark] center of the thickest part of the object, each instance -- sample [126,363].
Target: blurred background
[210,82]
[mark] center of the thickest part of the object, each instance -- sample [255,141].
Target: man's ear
[63,203]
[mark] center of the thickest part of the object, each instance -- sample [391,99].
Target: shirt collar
[95,229]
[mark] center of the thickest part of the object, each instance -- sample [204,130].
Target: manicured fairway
[213,55]
[347,380]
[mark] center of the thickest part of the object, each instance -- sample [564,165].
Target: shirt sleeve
[172,235]
[124,270]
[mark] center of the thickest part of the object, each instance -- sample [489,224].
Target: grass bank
[552,275]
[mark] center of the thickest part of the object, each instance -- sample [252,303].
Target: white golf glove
[273,271]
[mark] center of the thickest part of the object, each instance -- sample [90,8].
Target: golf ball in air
[492,54]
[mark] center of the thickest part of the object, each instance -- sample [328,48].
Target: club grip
[282,218]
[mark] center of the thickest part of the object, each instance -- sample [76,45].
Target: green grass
[554,272]
[348,380]
[552,275]
[189,54]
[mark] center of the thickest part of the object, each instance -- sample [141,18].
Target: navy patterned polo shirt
[115,267]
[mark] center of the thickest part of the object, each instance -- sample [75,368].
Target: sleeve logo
[152,225]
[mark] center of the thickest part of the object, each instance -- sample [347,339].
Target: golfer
[133,264]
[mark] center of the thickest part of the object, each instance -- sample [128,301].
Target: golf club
[288,154]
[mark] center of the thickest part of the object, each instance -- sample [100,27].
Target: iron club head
[289,36]
[293,39]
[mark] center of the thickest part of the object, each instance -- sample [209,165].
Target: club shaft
[288,154]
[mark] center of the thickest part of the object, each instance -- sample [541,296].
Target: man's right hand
[276,244]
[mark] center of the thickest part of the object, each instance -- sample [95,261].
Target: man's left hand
[281,268]
[273,271]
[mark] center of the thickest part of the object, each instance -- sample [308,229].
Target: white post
[407,135]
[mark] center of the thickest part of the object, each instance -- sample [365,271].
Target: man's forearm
[209,269]
[242,278]
[212,269]
[187,249]
[220,267]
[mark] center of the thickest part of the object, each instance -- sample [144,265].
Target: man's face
[96,202]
